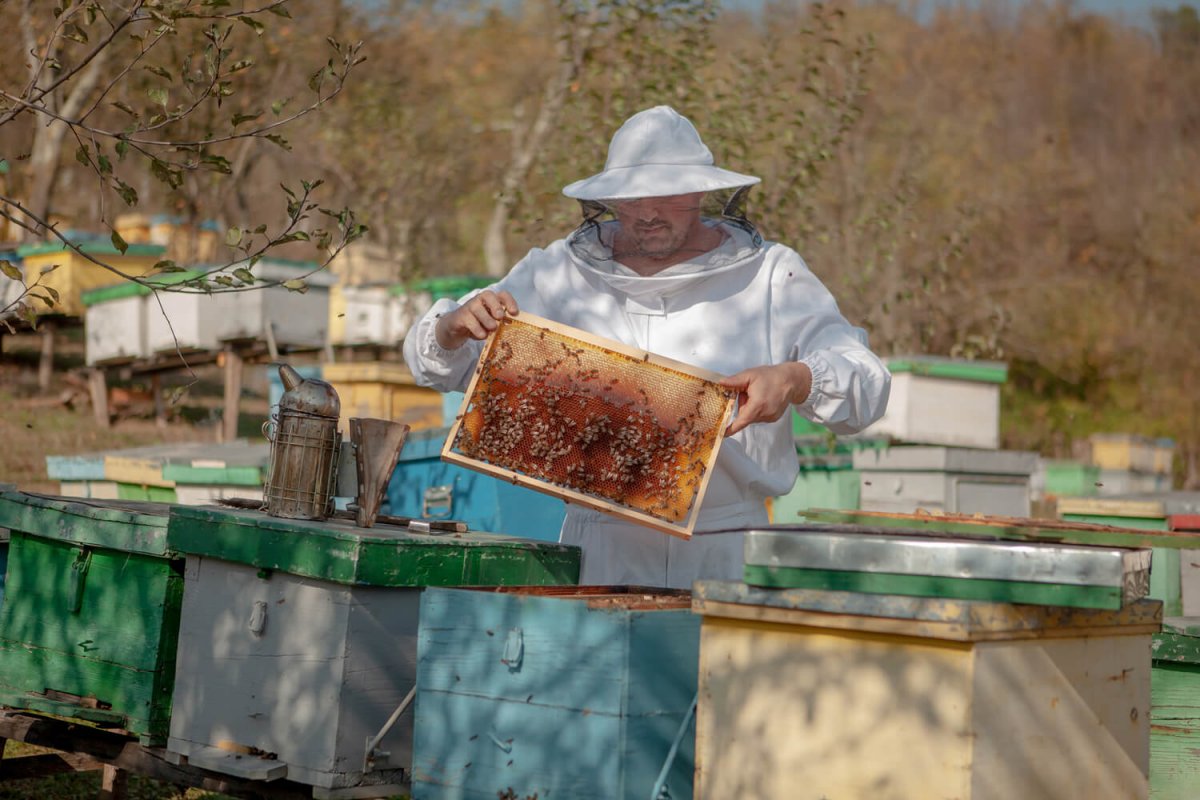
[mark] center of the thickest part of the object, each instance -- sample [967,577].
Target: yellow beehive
[383,390]
[76,274]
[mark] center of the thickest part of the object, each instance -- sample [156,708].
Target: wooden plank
[1017,528]
[98,388]
[43,765]
[125,753]
[233,393]
[114,784]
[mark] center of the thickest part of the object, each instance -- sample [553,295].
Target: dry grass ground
[35,424]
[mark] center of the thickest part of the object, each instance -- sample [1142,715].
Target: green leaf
[296,285]
[233,237]
[122,147]
[279,11]
[81,155]
[161,72]
[278,106]
[217,163]
[104,163]
[216,3]
[163,171]
[119,242]
[279,140]
[253,23]
[168,266]
[238,66]
[157,94]
[238,119]
[46,270]
[11,270]
[128,109]
[244,275]
[53,292]
[44,298]
[127,192]
[224,280]
[74,33]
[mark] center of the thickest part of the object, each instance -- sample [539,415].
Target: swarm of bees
[592,420]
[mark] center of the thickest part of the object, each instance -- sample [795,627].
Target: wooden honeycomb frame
[593,422]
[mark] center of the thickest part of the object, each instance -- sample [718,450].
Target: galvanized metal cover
[842,548]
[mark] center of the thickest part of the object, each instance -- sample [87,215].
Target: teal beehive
[572,692]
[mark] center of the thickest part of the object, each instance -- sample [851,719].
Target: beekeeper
[650,268]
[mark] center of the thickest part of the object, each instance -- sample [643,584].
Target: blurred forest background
[1018,182]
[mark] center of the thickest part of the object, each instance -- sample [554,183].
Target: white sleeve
[433,365]
[850,384]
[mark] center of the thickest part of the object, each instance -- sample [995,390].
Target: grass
[36,424]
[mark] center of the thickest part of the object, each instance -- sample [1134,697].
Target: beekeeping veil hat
[656,153]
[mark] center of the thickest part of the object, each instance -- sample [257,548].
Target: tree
[160,88]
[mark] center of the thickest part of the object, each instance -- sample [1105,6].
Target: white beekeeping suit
[742,304]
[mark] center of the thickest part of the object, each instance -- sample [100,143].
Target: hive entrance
[592,421]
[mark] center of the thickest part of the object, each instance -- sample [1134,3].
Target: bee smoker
[304,448]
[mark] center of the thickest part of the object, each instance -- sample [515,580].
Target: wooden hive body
[1175,710]
[299,638]
[807,695]
[90,620]
[558,695]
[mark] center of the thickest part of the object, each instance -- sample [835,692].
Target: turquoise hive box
[574,693]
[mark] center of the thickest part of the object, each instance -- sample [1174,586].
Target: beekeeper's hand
[475,319]
[765,393]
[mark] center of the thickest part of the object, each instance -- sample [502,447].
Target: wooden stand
[79,748]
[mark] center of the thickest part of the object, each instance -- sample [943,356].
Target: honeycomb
[585,418]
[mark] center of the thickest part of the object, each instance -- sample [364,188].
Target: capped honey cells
[588,419]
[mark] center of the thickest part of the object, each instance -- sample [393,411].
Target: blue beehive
[425,487]
[568,692]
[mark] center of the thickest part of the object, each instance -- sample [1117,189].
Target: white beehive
[943,401]
[950,479]
[115,324]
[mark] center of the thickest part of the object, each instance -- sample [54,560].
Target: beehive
[592,421]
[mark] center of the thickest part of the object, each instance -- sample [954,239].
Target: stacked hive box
[299,639]
[577,693]
[1175,710]
[912,663]
[1128,463]
[90,618]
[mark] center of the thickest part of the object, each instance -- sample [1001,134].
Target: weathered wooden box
[1175,710]
[578,693]
[299,639]
[943,401]
[90,617]
[807,695]
[360,315]
[951,479]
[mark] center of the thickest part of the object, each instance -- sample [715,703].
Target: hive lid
[385,555]
[1151,504]
[929,564]
[953,368]
[124,525]
[1017,528]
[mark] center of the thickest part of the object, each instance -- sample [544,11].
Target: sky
[1135,12]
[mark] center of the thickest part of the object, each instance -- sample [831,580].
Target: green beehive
[90,619]
[1175,710]
[307,633]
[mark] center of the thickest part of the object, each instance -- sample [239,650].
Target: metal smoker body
[304,448]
